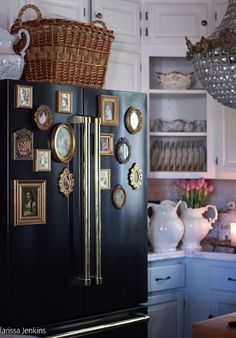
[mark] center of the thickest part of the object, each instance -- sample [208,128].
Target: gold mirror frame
[43,117]
[118,188]
[128,120]
[135,176]
[56,143]
[66,182]
[123,141]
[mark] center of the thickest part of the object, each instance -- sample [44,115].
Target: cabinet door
[166,315]
[123,71]
[168,23]
[225,138]
[220,8]
[123,17]
[222,304]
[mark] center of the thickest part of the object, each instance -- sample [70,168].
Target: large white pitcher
[166,228]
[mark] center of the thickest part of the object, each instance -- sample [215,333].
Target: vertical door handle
[97,200]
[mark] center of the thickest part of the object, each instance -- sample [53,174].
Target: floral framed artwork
[24,96]
[22,144]
[109,110]
[106,144]
[63,142]
[42,160]
[43,117]
[64,102]
[29,202]
[105,179]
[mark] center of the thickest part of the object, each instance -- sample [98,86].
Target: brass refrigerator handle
[97,193]
[102,327]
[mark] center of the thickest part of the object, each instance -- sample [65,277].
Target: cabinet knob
[204,23]
[99,15]
[211,316]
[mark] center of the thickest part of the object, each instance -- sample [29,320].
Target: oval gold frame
[66,182]
[117,188]
[43,125]
[135,176]
[123,141]
[55,150]
[128,120]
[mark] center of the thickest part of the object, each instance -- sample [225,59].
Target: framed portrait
[42,160]
[22,144]
[24,96]
[119,196]
[123,150]
[29,202]
[64,102]
[109,110]
[133,120]
[43,117]
[105,179]
[106,144]
[135,176]
[63,142]
[66,182]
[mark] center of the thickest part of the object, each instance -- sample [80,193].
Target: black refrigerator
[73,242]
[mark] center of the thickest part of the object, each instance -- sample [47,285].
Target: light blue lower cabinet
[222,303]
[166,315]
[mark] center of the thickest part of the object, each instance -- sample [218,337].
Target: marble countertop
[152,256]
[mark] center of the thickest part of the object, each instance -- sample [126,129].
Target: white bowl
[174,80]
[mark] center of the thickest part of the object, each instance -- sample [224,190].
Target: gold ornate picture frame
[105,179]
[135,176]
[42,160]
[24,96]
[63,142]
[133,120]
[109,110]
[64,102]
[66,182]
[22,144]
[43,117]
[106,144]
[123,150]
[29,202]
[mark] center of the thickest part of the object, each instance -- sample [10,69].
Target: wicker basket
[65,51]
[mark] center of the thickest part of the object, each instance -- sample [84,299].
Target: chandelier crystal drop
[214,59]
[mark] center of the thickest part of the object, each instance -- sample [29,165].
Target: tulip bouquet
[193,192]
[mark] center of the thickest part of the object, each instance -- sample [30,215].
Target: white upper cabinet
[168,22]
[123,17]
[220,8]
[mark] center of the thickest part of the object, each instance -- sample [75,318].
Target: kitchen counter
[191,253]
[215,328]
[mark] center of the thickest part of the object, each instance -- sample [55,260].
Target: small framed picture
[64,102]
[106,144]
[63,142]
[42,160]
[66,182]
[105,179]
[24,96]
[43,117]
[119,196]
[109,110]
[22,144]
[29,202]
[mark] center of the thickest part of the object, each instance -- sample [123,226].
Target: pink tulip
[210,188]
[182,185]
[192,184]
[205,185]
[200,182]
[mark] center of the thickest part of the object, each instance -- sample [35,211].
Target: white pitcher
[196,225]
[166,228]
[11,64]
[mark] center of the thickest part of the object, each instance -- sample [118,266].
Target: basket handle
[23,9]
[99,22]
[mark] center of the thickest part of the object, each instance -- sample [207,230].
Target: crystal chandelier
[214,59]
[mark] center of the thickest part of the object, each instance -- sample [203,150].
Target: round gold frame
[130,124]
[117,194]
[66,182]
[63,146]
[43,117]
[135,176]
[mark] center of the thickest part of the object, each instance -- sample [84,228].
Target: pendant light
[214,59]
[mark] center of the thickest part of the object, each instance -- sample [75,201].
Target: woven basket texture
[65,51]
